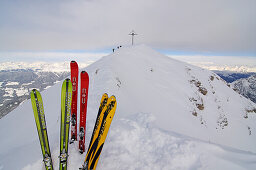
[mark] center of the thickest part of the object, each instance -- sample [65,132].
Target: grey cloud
[199,25]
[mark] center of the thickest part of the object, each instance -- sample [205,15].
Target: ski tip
[84,72]
[84,75]
[112,97]
[67,84]
[74,67]
[105,95]
[34,90]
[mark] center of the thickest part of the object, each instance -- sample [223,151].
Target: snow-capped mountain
[246,87]
[230,76]
[17,79]
[228,64]
[39,66]
[15,86]
[170,115]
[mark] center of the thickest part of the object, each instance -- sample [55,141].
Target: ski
[74,80]
[100,132]
[66,99]
[37,105]
[103,103]
[96,128]
[83,109]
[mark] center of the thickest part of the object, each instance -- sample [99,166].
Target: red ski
[83,109]
[74,80]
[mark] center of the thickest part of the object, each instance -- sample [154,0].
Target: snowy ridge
[170,115]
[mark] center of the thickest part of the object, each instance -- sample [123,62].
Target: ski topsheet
[100,132]
[83,109]
[103,103]
[37,105]
[74,80]
[66,99]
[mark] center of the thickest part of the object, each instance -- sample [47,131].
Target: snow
[170,115]
[47,87]
[19,91]
[26,84]
[9,92]
[12,83]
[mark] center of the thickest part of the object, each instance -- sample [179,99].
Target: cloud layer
[201,26]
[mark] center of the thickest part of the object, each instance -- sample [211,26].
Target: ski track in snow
[153,127]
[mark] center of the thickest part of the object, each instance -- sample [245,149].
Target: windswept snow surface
[170,115]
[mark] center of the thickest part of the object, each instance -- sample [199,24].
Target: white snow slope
[170,115]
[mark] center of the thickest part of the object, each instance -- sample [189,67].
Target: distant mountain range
[16,84]
[230,76]
[18,79]
[244,83]
[246,87]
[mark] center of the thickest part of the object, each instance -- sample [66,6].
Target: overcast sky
[200,26]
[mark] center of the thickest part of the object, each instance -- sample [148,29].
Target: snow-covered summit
[170,115]
[180,97]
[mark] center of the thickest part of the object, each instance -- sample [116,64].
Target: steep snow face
[170,115]
[246,87]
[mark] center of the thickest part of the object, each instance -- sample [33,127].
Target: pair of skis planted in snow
[37,105]
[104,118]
[83,105]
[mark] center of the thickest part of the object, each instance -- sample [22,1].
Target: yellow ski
[101,128]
